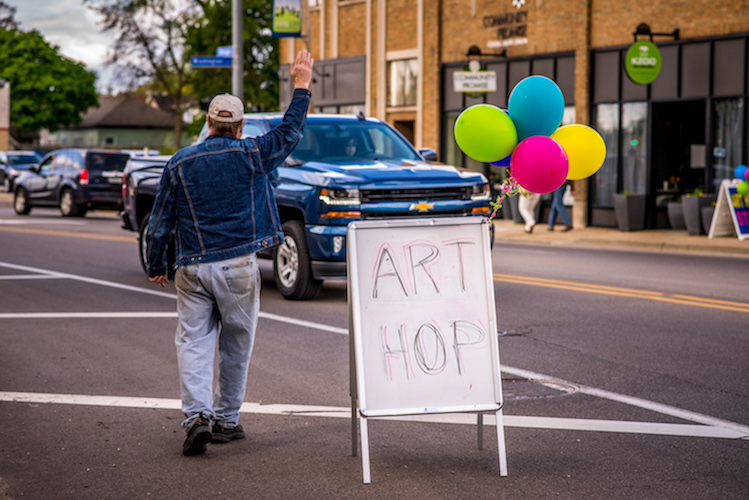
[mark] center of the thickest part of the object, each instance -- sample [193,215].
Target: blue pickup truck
[345,168]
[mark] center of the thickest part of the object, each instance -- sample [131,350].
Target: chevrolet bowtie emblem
[422,206]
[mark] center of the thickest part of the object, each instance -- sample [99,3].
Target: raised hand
[301,69]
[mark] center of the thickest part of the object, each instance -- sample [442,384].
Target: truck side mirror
[429,154]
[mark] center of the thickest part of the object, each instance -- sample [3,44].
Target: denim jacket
[217,197]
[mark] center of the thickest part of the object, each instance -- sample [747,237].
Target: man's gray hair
[230,128]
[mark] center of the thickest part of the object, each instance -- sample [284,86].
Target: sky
[70,26]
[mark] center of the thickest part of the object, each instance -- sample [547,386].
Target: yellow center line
[715,301]
[68,234]
[576,284]
[625,292]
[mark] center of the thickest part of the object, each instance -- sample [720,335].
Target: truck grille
[463,212]
[415,195]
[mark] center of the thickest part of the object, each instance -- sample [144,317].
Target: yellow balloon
[585,149]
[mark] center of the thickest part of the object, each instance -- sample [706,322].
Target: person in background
[351,147]
[557,207]
[527,208]
[217,198]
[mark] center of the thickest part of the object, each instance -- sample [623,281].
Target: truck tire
[142,243]
[292,268]
[170,256]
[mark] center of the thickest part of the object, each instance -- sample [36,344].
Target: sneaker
[549,228]
[222,433]
[198,435]
[568,227]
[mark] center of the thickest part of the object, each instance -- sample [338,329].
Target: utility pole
[4,114]
[237,81]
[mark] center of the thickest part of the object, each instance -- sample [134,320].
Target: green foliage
[193,129]
[47,90]
[213,29]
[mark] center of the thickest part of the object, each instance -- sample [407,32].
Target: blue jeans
[557,207]
[217,302]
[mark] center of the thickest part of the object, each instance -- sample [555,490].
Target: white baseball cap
[226,103]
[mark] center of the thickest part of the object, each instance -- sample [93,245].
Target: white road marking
[24,222]
[616,426]
[737,430]
[28,277]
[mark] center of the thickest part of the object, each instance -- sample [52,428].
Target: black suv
[73,179]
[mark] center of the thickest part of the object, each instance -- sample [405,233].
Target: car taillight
[124,186]
[84,177]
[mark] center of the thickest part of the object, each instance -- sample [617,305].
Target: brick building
[685,131]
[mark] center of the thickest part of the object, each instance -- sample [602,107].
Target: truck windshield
[345,141]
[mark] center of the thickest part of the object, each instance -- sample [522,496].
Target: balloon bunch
[528,139]
[742,174]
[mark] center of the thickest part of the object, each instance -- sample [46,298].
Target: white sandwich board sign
[423,321]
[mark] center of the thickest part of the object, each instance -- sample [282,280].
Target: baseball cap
[228,103]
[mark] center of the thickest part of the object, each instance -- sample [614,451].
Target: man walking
[217,199]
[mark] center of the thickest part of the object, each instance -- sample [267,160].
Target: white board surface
[423,316]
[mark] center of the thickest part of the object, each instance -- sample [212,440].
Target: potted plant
[692,204]
[707,216]
[675,214]
[629,209]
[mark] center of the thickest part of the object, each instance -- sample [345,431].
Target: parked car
[76,180]
[13,164]
[327,183]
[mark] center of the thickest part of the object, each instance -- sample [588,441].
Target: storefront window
[568,118]
[604,181]
[453,154]
[727,139]
[634,147]
[402,77]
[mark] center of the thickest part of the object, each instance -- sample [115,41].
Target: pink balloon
[539,164]
[746,175]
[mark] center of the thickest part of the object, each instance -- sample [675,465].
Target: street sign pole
[237,83]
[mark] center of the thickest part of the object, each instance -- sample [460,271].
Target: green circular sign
[643,62]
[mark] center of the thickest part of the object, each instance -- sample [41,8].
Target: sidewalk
[651,240]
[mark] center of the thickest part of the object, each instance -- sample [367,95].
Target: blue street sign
[211,62]
[227,51]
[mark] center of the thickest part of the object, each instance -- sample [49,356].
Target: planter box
[692,206]
[707,217]
[513,203]
[675,215]
[630,211]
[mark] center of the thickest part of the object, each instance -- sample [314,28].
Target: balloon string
[509,187]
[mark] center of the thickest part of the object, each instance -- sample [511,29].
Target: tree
[259,48]
[7,17]
[47,90]
[149,44]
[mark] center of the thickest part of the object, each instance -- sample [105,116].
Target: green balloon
[485,133]
[743,187]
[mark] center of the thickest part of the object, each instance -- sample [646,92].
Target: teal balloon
[485,133]
[536,106]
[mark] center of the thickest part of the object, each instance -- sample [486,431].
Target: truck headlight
[339,196]
[480,192]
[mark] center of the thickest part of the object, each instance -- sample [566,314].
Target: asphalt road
[624,375]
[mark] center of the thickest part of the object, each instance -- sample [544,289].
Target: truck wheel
[142,243]
[292,268]
[68,207]
[21,202]
[170,256]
